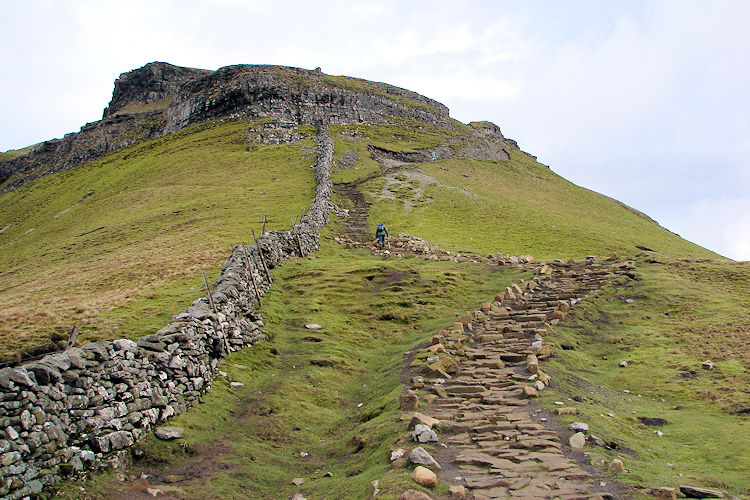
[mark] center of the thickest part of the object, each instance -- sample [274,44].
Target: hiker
[381,234]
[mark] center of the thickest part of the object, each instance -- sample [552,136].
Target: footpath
[469,406]
[472,404]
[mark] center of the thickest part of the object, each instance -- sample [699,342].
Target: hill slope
[116,244]
[88,245]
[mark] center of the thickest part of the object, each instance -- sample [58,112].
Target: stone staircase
[478,385]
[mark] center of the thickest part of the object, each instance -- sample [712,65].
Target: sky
[644,101]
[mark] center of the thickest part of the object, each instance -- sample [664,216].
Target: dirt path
[492,439]
[355,228]
[354,232]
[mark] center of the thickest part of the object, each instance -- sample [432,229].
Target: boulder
[695,492]
[532,363]
[577,441]
[409,401]
[419,418]
[423,434]
[44,374]
[20,376]
[616,466]
[419,456]
[436,348]
[414,495]
[664,494]
[529,392]
[579,427]
[425,477]
[124,345]
[169,433]
[442,367]
[457,491]
[120,439]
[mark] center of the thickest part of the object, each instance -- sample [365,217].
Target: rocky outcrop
[298,96]
[83,408]
[153,83]
[160,98]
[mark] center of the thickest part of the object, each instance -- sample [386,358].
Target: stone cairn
[82,408]
[477,383]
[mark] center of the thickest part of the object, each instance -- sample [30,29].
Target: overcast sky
[644,101]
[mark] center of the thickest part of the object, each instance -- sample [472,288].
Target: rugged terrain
[108,230]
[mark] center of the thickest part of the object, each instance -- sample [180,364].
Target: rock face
[150,84]
[168,433]
[160,98]
[298,96]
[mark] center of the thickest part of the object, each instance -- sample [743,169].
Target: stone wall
[81,409]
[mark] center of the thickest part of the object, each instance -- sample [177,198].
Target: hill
[109,229]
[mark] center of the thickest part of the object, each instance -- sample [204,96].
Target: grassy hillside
[118,245]
[14,153]
[486,206]
[331,394]
[680,314]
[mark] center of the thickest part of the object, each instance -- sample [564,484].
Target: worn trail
[479,386]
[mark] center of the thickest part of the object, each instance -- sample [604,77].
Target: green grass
[336,399]
[14,153]
[118,245]
[401,135]
[682,314]
[519,207]
[139,107]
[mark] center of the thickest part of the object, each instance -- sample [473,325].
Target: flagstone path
[487,373]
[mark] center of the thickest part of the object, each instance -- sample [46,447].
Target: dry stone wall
[81,409]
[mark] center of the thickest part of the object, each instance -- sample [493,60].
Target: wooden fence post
[262,260]
[250,273]
[296,236]
[73,336]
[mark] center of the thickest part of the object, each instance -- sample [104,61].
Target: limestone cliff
[161,98]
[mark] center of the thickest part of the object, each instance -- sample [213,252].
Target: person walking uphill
[381,233]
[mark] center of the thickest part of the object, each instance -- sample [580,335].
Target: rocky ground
[473,402]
